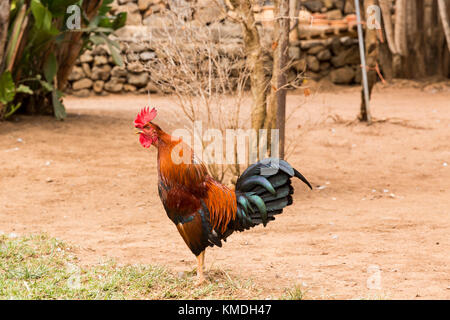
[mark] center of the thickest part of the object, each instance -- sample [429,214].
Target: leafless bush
[207,74]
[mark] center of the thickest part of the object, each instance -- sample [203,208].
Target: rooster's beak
[139,132]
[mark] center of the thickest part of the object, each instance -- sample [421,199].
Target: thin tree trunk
[255,61]
[445,20]
[4,22]
[400,27]
[281,94]
[372,48]
[276,116]
[72,43]
[388,27]
[400,37]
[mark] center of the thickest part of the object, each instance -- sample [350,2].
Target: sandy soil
[384,214]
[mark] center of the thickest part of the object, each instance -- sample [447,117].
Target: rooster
[204,211]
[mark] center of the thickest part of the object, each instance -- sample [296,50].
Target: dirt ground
[377,224]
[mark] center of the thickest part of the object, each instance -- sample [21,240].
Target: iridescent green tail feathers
[263,190]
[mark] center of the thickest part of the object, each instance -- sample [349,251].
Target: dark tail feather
[262,191]
[301,177]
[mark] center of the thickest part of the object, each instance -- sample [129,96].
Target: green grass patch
[40,267]
[295,293]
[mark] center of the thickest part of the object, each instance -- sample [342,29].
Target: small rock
[316,49]
[19,140]
[324,55]
[313,5]
[76,74]
[294,52]
[147,55]
[138,80]
[129,87]
[134,19]
[101,72]
[48,180]
[325,66]
[86,57]
[136,47]
[82,84]
[118,72]
[329,4]
[299,65]
[98,86]
[313,75]
[101,49]
[113,86]
[313,63]
[152,87]
[347,41]
[135,67]
[343,75]
[336,46]
[100,60]
[128,6]
[86,69]
[144,4]
[82,93]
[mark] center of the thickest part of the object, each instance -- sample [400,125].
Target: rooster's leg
[200,263]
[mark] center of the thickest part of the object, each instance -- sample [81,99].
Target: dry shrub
[207,74]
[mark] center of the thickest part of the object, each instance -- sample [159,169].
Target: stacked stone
[96,73]
[336,58]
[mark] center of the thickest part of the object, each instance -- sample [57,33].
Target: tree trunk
[255,61]
[371,50]
[4,22]
[443,12]
[400,37]
[276,116]
[387,23]
[69,50]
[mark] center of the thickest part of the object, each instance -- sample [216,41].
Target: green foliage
[50,67]
[8,91]
[32,66]
[7,88]
[58,7]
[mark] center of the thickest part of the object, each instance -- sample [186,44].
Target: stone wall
[95,73]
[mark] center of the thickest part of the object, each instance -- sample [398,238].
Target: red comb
[144,116]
